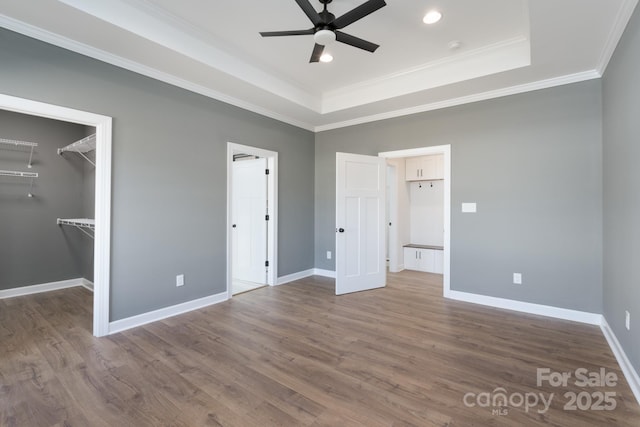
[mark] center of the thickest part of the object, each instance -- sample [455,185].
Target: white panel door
[249,210]
[360,223]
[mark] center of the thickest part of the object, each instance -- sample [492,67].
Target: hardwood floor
[297,355]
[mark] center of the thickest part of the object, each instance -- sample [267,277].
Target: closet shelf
[19,174]
[15,143]
[82,224]
[82,146]
[18,143]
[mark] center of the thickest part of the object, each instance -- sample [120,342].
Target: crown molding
[153,23]
[127,64]
[622,19]
[491,59]
[498,93]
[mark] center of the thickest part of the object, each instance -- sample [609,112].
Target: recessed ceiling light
[326,57]
[432,17]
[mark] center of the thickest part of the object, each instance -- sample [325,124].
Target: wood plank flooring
[297,355]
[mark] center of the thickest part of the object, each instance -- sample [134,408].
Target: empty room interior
[319,213]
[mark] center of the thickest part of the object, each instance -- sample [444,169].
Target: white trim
[272,180]
[627,368]
[622,19]
[324,273]
[498,93]
[102,243]
[87,284]
[295,276]
[505,55]
[399,268]
[44,287]
[446,151]
[527,307]
[178,35]
[136,67]
[163,313]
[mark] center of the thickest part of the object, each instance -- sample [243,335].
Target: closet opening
[418,210]
[252,218]
[55,187]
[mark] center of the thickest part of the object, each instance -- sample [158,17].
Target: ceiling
[214,48]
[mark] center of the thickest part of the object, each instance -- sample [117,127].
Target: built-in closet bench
[426,258]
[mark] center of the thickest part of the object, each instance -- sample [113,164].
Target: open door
[249,200]
[360,223]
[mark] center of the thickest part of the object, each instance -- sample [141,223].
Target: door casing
[102,241]
[272,228]
[425,151]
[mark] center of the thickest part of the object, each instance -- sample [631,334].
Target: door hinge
[266,172]
[266,217]
[266,263]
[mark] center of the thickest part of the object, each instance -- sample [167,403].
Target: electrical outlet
[328,254]
[180,280]
[517,278]
[627,320]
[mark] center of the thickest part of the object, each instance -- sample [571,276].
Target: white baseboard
[398,268]
[163,313]
[627,368]
[295,276]
[325,273]
[306,273]
[527,307]
[36,289]
[88,284]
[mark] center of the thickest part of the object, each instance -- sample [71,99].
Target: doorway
[398,231]
[102,240]
[251,218]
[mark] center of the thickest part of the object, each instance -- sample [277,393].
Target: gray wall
[621,105]
[532,162]
[34,250]
[169,172]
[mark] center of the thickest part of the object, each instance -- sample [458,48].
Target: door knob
[234,226]
[341,230]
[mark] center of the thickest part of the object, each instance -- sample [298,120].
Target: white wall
[426,212]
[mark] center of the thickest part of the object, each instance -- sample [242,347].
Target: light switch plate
[517,278]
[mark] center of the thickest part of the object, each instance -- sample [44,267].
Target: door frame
[102,242]
[272,226]
[392,216]
[446,151]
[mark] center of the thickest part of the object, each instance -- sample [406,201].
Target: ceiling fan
[326,27]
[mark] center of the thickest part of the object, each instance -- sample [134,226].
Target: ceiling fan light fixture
[324,37]
[432,17]
[326,57]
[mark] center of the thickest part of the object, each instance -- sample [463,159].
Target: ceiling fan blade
[287,33]
[355,41]
[310,11]
[358,13]
[317,53]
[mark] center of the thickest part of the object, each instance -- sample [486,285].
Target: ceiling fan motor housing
[324,37]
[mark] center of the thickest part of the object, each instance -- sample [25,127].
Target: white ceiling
[213,48]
